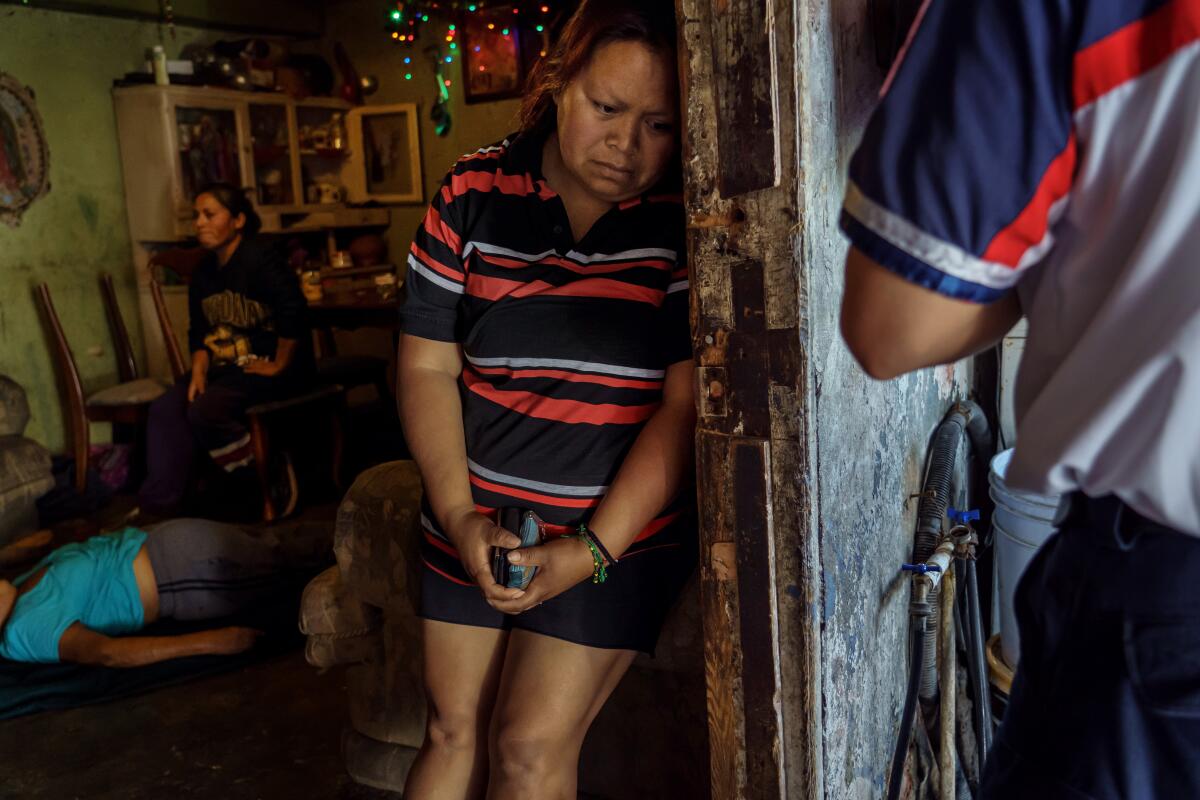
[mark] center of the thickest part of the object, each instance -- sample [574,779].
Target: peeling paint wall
[868,440]
[78,230]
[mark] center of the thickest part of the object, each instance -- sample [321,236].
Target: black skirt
[626,612]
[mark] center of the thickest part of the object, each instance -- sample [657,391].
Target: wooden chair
[127,369]
[263,418]
[124,404]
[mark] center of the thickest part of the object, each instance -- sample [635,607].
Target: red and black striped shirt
[565,344]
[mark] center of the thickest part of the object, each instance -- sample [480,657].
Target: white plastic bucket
[1038,506]
[1013,555]
[1018,523]
[1022,523]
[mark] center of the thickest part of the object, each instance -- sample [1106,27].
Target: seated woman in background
[249,344]
[79,602]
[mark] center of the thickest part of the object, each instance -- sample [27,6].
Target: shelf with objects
[344,267]
[318,168]
[319,157]
[348,278]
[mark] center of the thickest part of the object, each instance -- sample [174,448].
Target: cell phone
[528,527]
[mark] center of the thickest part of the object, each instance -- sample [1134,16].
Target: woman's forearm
[650,477]
[136,651]
[284,350]
[431,413]
[81,645]
[200,360]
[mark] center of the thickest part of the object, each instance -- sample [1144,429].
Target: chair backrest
[126,364]
[179,263]
[65,364]
[174,355]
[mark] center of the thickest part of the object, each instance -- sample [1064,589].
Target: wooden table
[360,309]
[363,308]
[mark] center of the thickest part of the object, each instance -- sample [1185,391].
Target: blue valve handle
[920,569]
[962,517]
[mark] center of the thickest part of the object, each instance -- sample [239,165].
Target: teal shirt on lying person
[89,582]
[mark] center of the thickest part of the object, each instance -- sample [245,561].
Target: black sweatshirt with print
[242,309]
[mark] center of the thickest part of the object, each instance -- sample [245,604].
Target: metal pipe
[938,565]
[949,683]
[979,678]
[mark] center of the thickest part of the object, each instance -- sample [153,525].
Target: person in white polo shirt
[1044,159]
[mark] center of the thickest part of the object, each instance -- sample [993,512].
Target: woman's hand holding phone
[561,564]
[473,536]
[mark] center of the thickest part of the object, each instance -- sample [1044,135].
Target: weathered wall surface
[78,230]
[867,439]
[805,660]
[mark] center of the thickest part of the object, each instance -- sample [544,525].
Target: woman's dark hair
[235,202]
[596,23]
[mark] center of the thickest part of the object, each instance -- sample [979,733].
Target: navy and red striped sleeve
[971,152]
[676,335]
[436,275]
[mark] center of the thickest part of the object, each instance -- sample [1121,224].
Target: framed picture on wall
[384,163]
[493,64]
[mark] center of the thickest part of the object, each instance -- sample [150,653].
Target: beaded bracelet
[591,534]
[599,573]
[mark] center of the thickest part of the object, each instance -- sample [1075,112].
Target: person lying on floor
[79,602]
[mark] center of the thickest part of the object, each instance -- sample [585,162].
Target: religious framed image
[493,64]
[385,154]
[24,154]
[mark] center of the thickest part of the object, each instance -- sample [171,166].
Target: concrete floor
[271,730]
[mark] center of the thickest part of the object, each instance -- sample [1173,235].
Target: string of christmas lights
[405,20]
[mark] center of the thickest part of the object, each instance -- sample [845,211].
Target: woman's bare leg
[550,692]
[462,672]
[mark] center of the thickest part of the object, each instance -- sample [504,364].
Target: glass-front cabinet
[303,163]
[271,154]
[324,148]
[207,141]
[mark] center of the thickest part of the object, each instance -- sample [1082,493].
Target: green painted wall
[358,25]
[78,230]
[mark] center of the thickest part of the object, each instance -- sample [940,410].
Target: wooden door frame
[760,576]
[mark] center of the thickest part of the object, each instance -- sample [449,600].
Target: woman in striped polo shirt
[546,365]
